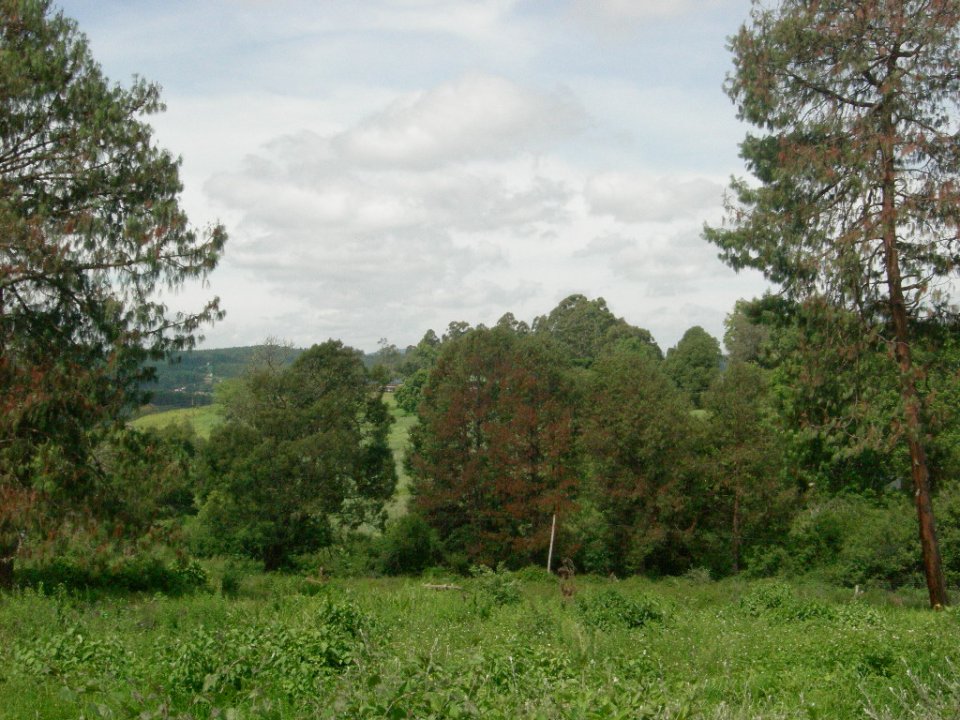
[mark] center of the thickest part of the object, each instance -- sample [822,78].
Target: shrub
[498,587]
[408,546]
[948,529]
[534,573]
[70,651]
[353,555]
[290,657]
[766,561]
[234,571]
[851,540]
[138,573]
[698,575]
[766,597]
[610,609]
[777,600]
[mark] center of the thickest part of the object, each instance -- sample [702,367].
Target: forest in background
[771,459]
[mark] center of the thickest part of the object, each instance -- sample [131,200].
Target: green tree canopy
[299,447]
[492,456]
[638,437]
[749,501]
[694,362]
[745,334]
[584,328]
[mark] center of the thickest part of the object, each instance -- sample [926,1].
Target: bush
[698,575]
[535,573]
[766,561]
[408,546]
[495,587]
[766,597]
[778,601]
[947,507]
[851,540]
[139,573]
[353,555]
[291,658]
[233,573]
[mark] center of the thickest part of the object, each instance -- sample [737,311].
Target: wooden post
[553,532]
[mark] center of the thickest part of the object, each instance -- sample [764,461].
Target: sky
[384,167]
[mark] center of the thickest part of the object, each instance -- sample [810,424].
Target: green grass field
[503,646]
[399,434]
[203,419]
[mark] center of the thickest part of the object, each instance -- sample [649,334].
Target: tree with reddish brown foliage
[493,455]
[858,166]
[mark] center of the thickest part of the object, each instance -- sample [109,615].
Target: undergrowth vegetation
[495,645]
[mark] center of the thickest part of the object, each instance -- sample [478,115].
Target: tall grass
[278,646]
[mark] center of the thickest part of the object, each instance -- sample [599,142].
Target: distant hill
[188,380]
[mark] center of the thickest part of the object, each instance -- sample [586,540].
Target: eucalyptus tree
[694,363]
[856,161]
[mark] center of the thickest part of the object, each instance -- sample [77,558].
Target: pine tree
[857,163]
[90,231]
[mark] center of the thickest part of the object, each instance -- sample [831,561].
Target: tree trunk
[736,530]
[272,558]
[910,397]
[6,573]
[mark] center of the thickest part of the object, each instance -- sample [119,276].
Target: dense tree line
[580,414]
[667,463]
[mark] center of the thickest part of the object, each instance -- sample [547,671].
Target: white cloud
[633,10]
[478,19]
[478,116]
[638,198]
[436,208]
[410,213]
[388,166]
[620,15]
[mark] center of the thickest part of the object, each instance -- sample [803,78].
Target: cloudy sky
[388,166]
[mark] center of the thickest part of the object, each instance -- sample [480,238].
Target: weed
[610,609]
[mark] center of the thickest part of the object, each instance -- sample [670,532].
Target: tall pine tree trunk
[8,553]
[736,528]
[910,397]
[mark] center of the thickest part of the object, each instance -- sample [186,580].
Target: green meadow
[202,419]
[399,432]
[496,645]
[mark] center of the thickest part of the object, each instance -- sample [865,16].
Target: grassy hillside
[190,377]
[203,419]
[399,438]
